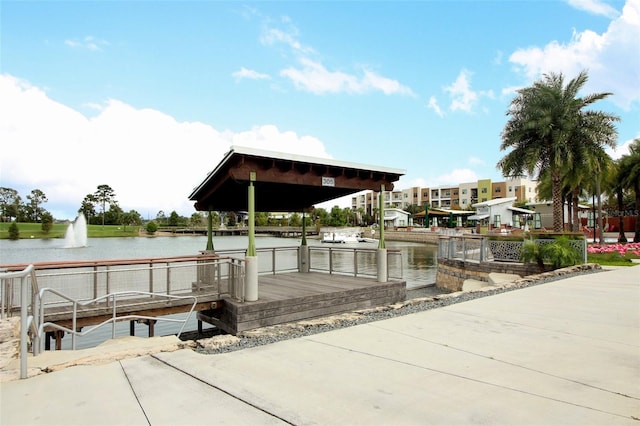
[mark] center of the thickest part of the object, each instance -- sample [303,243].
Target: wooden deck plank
[282,298]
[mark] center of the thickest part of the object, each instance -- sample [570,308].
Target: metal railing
[469,248]
[182,275]
[26,276]
[111,300]
[477,248]
[353,261]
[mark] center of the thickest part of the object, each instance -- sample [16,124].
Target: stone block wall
[452,273]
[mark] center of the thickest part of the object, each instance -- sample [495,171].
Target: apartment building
[460,197]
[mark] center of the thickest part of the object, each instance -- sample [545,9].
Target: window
[464,192]
[484,190]
[496,221]
[498,189]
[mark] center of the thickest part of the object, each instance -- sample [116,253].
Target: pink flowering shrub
[628,248]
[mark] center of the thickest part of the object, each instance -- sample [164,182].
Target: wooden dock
[283,297]
[296,296]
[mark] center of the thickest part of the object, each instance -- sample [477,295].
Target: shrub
[152,227]
[14,232]
[558,254]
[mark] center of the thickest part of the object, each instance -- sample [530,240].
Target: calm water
[419,262]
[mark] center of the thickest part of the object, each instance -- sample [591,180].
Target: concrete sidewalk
[566,352]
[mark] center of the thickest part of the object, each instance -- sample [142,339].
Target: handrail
[25,319]
[114,297]
[355,250]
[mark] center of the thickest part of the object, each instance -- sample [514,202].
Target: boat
[340,237]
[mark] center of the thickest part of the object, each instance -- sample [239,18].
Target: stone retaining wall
[452,273]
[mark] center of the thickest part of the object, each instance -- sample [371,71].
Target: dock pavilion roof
[285,182]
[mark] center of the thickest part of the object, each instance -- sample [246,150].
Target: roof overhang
[285,182]
[478,217]
[520,210]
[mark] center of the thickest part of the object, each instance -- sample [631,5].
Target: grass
[612,259]
[58,230]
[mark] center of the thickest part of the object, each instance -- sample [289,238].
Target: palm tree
[546,120]
[614,188]
[630,173]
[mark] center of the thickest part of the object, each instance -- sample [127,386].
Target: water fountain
[76,235]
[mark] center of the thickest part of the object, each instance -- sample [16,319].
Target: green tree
[152,227]
[295,220]
[104,195]
[8,197]
[114,215]
[630,171]
[614,188]
[47,222]
[196,220]
[131,218]
[232,219]
[14,231]
[88,207]
[545,120]
[34,207]
[337,217]
[174,218]
[261,219]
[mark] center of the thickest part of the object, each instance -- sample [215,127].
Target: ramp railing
[27,281]
[112,300]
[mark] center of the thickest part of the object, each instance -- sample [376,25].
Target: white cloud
[88,42]
[463,98]
[151,161]
[595,7]
[456,176]
[612,58]
[272,36]
[315,78]
[622,149]
[243,73]
[433,104]
[312,76]
[476,161]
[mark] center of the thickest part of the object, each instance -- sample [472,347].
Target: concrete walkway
[566,352]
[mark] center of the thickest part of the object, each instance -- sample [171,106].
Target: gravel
[418,300]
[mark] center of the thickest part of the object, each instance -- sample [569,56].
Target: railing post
[24,294]
[168,279]
[355,262]
[108,284]
[150,277]
[464,249]
[303,258]
[330,261]
[273,260]
[483,245]
[95,281]
[383,272]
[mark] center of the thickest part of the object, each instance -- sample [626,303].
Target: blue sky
[147,96]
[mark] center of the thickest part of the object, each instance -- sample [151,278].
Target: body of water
[419,262]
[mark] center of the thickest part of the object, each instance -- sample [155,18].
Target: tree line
[101,208]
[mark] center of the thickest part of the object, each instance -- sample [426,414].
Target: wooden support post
[151,324]
[59,335]
[47,340]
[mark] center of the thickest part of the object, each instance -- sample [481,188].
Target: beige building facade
[456,197]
